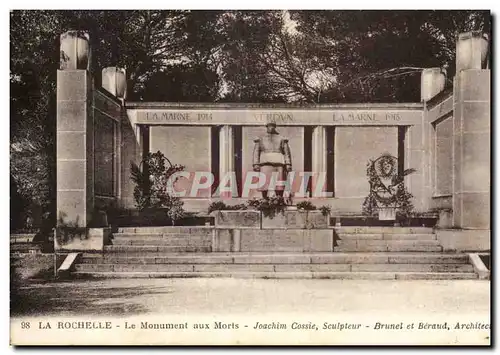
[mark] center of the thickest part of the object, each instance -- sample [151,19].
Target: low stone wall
[24,243]
[464,239]
[89,239]
[22,238]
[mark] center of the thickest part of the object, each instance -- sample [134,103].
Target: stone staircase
[390,239]
[384,253]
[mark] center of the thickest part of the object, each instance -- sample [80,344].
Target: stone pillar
[319,154]
[75,137]
[418,144]
[114,81]
[471,140]
[416,157]
[471,149]
[226,153]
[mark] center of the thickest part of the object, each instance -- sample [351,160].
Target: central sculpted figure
[272,156]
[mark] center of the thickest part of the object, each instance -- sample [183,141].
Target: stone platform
[387,253]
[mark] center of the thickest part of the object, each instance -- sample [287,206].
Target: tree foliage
[233,55]
[378,55]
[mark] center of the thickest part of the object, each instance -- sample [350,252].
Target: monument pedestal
[291,231]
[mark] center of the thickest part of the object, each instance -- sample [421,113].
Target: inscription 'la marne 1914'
[280,118]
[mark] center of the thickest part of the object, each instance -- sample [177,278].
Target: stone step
[286,275]
[167,230]
[161,235]
[152,259]
[161,249]
[365,242]
[367,245]
[384,230]
[411,236]
[388,247]
[391,258]
[412,267]
[229,268]
[279,258]
[372,236]
[387,236]
[207,242]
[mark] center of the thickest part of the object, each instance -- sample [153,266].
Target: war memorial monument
[370,191]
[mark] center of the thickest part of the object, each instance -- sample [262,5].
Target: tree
[33,65]
[246,36]
[378,55]
[151,45]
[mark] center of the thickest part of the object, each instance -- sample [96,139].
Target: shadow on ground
[35,292]
[35,298]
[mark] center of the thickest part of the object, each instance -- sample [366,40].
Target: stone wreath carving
[387,187]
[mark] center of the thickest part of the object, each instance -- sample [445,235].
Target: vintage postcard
[264,177]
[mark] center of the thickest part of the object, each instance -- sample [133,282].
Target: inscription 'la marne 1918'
[366,116]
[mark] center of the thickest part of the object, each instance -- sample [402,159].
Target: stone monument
[272,157]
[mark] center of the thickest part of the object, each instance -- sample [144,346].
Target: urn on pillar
[432,82]
[114,80]
[472,51]
[75,51]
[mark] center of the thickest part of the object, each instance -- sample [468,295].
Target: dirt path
[204,296]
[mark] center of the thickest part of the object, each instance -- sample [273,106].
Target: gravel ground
[252,311]
[116,297]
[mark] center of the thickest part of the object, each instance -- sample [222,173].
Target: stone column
[226,152]
[75,138]
[318,161]
[471,137]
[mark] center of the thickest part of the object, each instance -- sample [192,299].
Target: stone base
[237,219]
[479,268]
[294,219]
[85,239]
[290,219]
[273,240]
[464,239]
[67,265]
[445,219]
